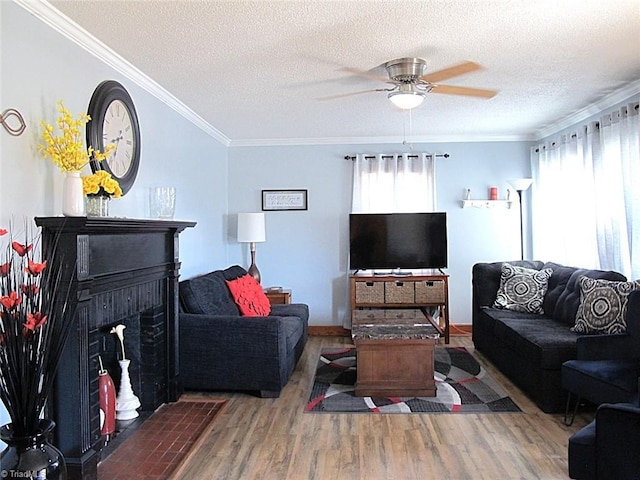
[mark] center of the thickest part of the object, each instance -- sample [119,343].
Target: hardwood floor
[274,439]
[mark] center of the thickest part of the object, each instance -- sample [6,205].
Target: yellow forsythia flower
[66,150]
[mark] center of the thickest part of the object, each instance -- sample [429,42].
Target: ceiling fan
[411,84]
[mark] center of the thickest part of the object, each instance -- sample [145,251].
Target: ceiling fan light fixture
[406,100]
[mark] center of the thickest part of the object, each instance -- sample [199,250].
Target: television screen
[397,240]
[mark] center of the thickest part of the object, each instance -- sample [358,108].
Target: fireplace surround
[120,271]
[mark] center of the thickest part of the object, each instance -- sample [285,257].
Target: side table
[278,296]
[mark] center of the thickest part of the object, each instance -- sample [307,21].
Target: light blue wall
[38,67]
[306,251]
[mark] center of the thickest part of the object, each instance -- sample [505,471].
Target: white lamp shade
[251,227]
[406,100]
[520,184]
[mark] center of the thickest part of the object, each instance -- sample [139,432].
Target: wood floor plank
[274,439]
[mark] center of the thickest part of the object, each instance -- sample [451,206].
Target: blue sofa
[222,350]
[530,348]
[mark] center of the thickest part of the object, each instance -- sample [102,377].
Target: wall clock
[114,120]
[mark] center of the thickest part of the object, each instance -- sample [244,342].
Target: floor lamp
[520,185]
[251,229]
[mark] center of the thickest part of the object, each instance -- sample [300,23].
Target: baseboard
[329,331]
[464,330]
[336,331]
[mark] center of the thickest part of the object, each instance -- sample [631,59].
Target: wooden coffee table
[394,353]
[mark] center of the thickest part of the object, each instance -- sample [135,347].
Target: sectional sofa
[530,348]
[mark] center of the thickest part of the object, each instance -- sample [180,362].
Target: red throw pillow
[249,296]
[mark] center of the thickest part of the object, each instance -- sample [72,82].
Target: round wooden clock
[114,120]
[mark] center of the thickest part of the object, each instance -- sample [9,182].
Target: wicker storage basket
[430,291]
[398,292]
[368,316]
[369,292]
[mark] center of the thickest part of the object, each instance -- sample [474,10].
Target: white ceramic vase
[126,402]
[72,195]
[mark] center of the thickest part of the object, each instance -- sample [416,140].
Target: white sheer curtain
[394,183]
[584,202]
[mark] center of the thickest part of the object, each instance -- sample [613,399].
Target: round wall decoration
[114,120]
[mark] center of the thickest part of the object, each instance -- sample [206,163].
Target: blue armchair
[607,367]
[607,448]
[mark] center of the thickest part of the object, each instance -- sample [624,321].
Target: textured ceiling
[256,71]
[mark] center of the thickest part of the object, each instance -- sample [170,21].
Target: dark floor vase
[31,457]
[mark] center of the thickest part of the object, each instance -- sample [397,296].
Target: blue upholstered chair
[607,367]
[608,448]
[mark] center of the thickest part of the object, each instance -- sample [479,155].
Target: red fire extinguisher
[107,402]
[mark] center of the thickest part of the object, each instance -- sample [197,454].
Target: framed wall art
[284,200]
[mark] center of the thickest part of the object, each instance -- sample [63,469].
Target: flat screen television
[397,241]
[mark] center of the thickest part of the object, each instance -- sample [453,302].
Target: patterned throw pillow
[249,296]
[522,289]
[603,306]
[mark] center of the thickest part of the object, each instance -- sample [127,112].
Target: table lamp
[251,229]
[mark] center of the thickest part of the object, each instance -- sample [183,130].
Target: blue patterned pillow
[522,289]
[603,306]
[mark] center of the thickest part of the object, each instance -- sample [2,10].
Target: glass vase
[97,206]
[33,456]
[72,195]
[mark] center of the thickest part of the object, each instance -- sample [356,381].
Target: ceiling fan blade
[365,74]
[454,71]
[342,95]
[471,92]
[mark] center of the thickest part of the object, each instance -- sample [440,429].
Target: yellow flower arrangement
[101,183]
[67,150]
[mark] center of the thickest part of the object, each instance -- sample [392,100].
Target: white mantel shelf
[487,203]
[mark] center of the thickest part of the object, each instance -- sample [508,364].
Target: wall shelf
[487,203]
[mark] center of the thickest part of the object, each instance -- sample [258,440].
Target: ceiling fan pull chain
[404,141]
[410,129]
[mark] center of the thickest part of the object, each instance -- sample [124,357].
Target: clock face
[114,121]
[117,129]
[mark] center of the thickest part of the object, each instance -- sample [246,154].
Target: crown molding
[607,102]
[49,15]
[272,142]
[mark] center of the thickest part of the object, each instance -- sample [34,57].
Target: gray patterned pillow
[603,306]
[522,289]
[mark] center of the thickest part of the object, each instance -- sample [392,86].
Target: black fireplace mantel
[119,270]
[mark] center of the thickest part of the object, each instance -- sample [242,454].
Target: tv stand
[387,291]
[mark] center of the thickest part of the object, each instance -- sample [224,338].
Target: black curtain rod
[437,155]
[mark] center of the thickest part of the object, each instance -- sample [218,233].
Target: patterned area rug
[463,386]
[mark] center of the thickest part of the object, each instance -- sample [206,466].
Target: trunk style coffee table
[394,353]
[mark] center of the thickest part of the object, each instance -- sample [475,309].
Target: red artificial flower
[3,232]
[5,268]
[35,268]
[34,321]
[30,290]
[20,249]
[11,301]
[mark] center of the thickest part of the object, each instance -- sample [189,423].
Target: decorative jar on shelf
[97,205]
